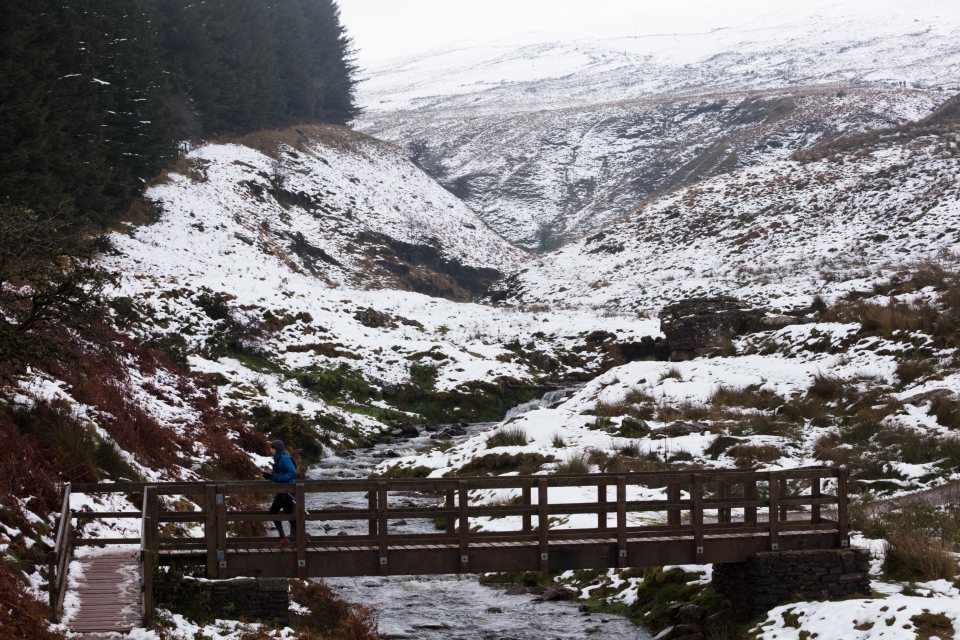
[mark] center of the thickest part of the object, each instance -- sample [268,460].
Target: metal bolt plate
[383,561]
[301,563]
[544,556]
[775,546]
[464,559]
[844,543]
[223,564]
[699,551]
[623,553]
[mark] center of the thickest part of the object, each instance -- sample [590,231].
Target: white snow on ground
[886,618]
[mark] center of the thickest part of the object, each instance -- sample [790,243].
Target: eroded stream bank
[452,607]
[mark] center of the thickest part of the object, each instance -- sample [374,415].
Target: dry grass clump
[747,397]
[830,448]
[750,455]
[917,558]
[946,410]
[577,464]
[914,369]
[826,388]
[508,437]
[625,407]
[673,373]
[330,615]
[558,442]
[939,319]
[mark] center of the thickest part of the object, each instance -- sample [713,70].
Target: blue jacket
[284,471]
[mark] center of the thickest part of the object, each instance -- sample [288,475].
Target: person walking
[284,473]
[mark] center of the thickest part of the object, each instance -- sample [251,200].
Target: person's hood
[279,446]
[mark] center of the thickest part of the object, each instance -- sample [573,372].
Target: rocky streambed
[453,607]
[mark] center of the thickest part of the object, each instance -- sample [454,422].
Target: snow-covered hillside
[550,135]
[347,208]
[546,176]
[271,274]
[775,234]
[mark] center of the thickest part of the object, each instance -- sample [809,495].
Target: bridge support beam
[769,579]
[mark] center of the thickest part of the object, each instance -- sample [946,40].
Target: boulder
[698,326]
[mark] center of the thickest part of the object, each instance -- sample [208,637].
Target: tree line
[95,94]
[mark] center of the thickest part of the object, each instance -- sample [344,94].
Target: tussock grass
[508,437]
[558,442]
[916,558]
[673,373]
[576,464]
[826,388]
[750,455]
[746,397]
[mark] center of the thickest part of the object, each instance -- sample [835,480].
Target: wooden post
[773,510]
[383,541]
[784,493]
[372,507]
[527,516]
[697,515]
[221,529]
[602,499]
[621,522]
[842,517]
[816,493]
[301,532]
[148,550]
[723,513]
[543,523]
[463,525]
[450,519]
[673,496]
[750,493]
[210,530]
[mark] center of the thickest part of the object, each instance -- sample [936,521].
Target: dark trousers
[283,502]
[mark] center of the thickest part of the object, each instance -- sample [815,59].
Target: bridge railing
[705,508]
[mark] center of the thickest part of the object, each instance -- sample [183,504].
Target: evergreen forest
[96,94]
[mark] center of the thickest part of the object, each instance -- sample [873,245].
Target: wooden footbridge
[636,519]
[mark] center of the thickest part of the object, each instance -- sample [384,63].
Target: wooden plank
[301,532]
[210,535]
[773,510]
[450,519]
[723,491]
[750,494]
[220,502]
[543,523]
[527,494]
[382,533]
[842,507]
[622,558]
[602,501]
[673,497]
[463,527]
[696,514]
[372,509]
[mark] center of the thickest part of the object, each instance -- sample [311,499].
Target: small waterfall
[546,401]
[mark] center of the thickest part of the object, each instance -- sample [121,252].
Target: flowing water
[451,607]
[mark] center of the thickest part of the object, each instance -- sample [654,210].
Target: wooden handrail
[697,507]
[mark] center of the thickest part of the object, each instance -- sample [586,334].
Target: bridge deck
[642,519]
[107,588]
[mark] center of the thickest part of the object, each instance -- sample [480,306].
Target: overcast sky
[386,29]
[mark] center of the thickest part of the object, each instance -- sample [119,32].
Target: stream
[451,607]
